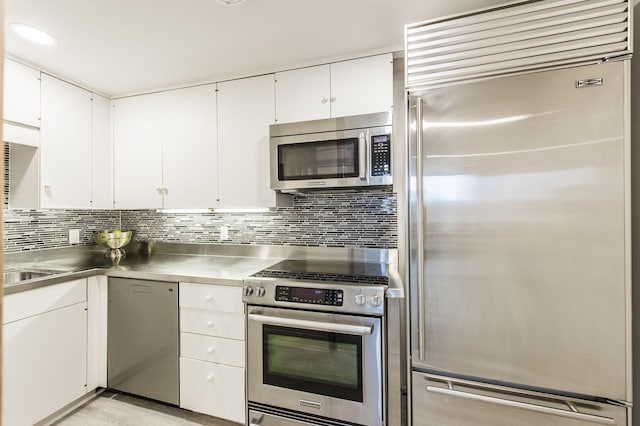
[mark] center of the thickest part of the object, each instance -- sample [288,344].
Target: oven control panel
[316,296]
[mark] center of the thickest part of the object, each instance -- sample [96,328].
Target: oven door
[323,364]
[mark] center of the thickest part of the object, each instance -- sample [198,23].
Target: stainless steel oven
[341,152]
[315,351]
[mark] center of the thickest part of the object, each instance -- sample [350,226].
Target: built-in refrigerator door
[519,261]
[443,401]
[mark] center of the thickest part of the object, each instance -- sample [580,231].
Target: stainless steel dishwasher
[143,348]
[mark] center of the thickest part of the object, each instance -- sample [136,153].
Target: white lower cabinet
[212,351]
[213,389]
[44,351]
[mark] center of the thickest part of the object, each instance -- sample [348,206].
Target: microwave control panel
[381,155]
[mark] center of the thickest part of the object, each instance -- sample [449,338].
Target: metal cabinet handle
[525,406]
[420,231]
[314,325]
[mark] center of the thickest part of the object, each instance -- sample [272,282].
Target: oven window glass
[318,160]
[313,361]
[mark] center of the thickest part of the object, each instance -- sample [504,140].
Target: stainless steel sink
[12,277]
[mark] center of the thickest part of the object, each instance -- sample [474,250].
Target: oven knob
[360,299]
[376,300]
[260,291]
[248,290]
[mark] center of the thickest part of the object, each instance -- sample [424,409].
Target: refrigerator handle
[573,414]
[420,231]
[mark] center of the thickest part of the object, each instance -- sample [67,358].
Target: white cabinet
[44,351]
[65,145]
[189,148]
[246,108]
[213,389]
[137,139]
[97,308]
[102,154]
[165,149]
[358,86]
[212,350]
[303,94]
[21,97]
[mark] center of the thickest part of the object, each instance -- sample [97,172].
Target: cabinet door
[137,139]
[246,108]
[102,154]
[189,148]
[362,86]
[44,360]
[97,307]
[21,102]
[303,94]
[65,145]
[213,389]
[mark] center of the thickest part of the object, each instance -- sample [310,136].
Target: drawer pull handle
[209,323]
[209,378]
[210,350]
[209,298]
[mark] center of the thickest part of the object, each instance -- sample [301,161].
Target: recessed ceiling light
[32,34]
[230,2]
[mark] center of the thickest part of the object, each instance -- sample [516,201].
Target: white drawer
[213,297]
[212,323]
[212,349]
[213,389]
[33,302]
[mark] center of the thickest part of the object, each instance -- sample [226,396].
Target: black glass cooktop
[328,270]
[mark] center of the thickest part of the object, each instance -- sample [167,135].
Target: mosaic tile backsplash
[361,220]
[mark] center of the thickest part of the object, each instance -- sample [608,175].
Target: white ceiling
[120,47]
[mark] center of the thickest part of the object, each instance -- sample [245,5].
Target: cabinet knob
[210,350]
[209,378]
[209,298]
[324,100]
[332,99]
[209,323]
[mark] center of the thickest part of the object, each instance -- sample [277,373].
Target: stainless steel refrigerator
[519,200]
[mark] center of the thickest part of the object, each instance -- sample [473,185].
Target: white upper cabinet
[362,86]
[102,154]
[189,148]
[246,108]
[165,149]
[137,138]
[65,145]
[303,94]
[21,102]
[358,86]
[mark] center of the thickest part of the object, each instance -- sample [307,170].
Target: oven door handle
[314,325]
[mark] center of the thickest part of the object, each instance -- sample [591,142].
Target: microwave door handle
[362,151]
[314,325]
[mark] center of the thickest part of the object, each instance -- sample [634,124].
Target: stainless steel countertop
[205,264]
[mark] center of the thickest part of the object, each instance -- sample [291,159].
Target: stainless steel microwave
[343,152]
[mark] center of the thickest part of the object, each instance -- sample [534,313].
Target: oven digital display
[316,296]
[308,293]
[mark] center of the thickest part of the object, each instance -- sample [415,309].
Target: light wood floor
[125,410]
